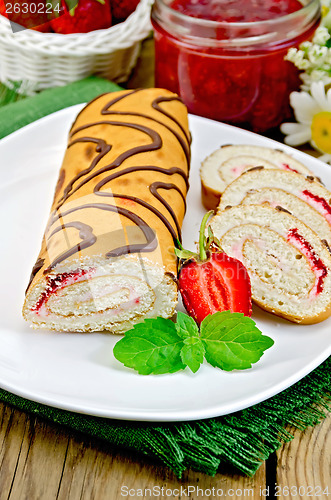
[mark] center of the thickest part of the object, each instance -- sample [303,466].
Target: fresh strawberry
[121,9]
[86,16]
[3,11]
[37,21]
[212,281]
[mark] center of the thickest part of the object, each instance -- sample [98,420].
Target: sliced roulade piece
[289,266]
[107,258]
[282,200]
[259,183]
[224,165]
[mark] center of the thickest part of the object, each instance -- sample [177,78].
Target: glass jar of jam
[225,58]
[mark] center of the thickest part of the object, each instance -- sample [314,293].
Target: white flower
[321,35]
[318,55]
[314,58]
[315,76]
[313,114]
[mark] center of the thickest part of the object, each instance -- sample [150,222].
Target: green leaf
[202,236]
[232,341]
[184,254]
[178,244]
[72,6]
[151,347]
[186,326]
[192,353]
[210,237]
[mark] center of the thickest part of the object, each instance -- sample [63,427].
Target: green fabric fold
[243,439]
[15,115]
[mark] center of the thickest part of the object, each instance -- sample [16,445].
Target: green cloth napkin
[243,439]
[26,110]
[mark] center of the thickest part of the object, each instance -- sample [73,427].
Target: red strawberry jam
[235,11]
[225,58]
[319,269]
[319,204]
[56,283]
[287,167]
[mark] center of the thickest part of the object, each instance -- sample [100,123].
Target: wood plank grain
[43,461]
[12,436]
[31,458]
[306,462]
[96,471]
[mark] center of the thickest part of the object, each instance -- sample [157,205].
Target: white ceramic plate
[78,371]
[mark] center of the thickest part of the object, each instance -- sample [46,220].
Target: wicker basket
[49,59]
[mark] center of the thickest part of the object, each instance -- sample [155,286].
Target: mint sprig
[230,341]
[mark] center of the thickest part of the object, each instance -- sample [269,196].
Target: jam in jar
[225,58]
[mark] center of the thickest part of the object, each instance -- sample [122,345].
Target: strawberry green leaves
[230,341]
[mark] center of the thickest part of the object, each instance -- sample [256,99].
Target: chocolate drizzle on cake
[85,234]
[113,171]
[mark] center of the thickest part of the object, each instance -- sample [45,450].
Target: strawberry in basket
[82,16]
[121,9]
[29,15]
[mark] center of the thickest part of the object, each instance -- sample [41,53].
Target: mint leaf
[232,341]
[192,353]
[186,326]
[151,347]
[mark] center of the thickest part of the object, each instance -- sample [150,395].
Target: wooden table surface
[41,460]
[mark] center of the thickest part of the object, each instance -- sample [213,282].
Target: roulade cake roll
[304,197]
[278,198]
[107,259]
[288,264]
[224,165]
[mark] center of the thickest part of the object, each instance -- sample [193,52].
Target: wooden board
[41,460]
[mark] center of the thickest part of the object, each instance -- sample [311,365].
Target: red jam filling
[305,247]
[319,203]
[241,86]
[236,10]
[287,167]
[56,283]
